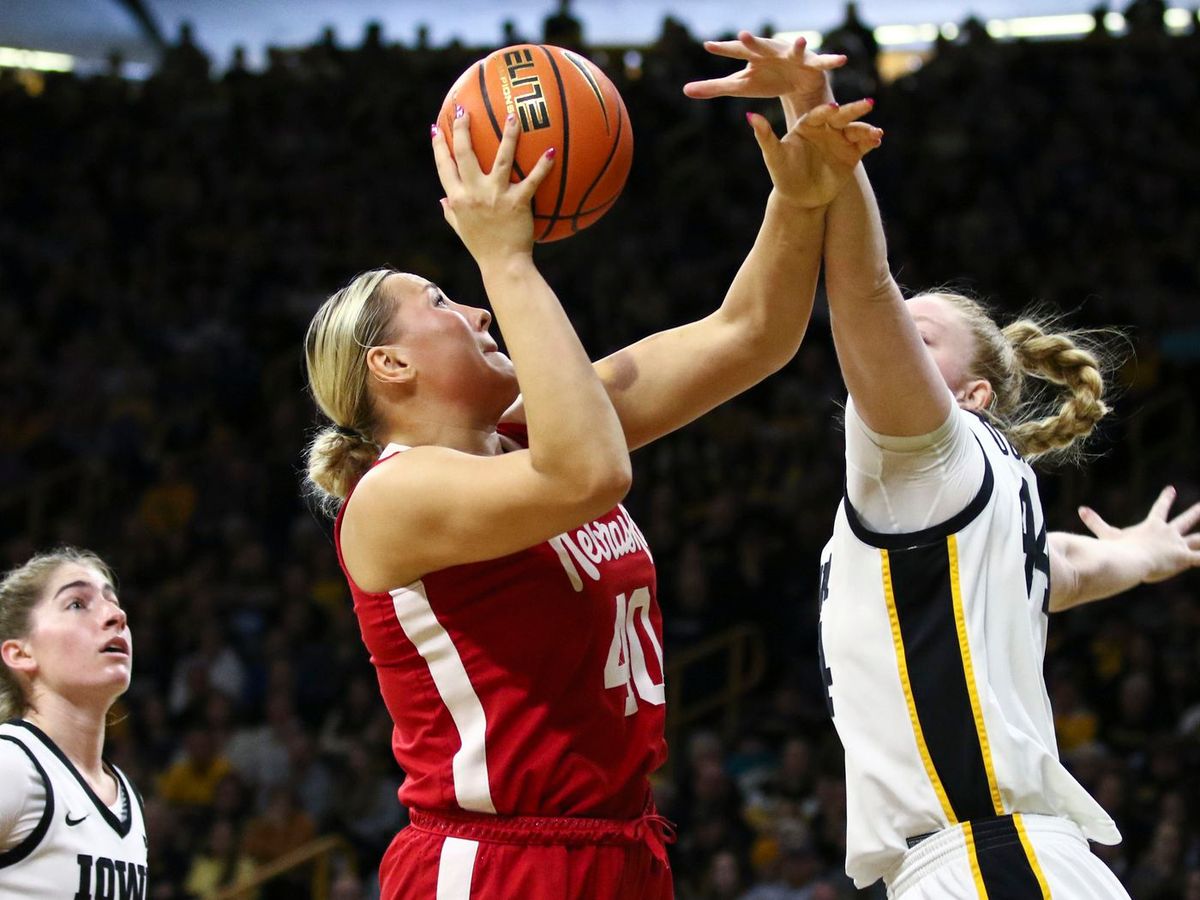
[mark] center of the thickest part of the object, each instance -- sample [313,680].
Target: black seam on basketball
[566,132]
[487,105]
[591,80]
[612,151]
[581,213]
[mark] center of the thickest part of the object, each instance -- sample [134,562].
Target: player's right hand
[492,215]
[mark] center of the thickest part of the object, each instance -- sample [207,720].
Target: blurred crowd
[164,242]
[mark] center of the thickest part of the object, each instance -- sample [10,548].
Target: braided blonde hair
[20,590]
[350,321]
[1052,418]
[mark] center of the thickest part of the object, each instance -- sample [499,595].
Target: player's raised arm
[430,378]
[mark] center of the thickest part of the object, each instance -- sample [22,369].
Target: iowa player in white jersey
[71,824]
[936,585]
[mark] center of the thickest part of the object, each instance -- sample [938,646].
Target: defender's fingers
[528,186]
[1186,520]
[759,46]
[1096,525]
[1163,504]
[713,87]
[447,169]
[829,61]
[728,49]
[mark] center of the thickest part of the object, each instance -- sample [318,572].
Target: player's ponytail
[1047,385]
[20,590]
[1060,359]
[349,322]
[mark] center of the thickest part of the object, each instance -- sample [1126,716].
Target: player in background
[71,824]
[937,582]
[506,598]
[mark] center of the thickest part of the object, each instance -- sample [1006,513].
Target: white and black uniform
[934,595]
[57,838]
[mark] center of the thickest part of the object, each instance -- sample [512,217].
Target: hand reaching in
[1167,547]
[774,68]
[817,156]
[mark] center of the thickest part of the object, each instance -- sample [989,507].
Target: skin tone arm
[441,506]
[1084,568]
[671,378]
[895,384]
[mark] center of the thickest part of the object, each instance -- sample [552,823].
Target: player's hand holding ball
[490,213]
[562,101]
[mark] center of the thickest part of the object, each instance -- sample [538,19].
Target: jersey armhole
[27,846]
[934,533]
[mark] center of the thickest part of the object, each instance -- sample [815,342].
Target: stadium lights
[37,60]
[1176,19]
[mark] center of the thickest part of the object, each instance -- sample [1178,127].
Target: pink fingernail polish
[433,130]
[750,117]
[834,106]
[510,118]
[871,100]
[550,153]
[458,111]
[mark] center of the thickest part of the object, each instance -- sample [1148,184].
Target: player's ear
[15,654]
[976,394]
[390,365]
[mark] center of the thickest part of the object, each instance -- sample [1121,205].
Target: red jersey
[531,684]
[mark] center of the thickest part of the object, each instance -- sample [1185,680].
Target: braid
[1059,359]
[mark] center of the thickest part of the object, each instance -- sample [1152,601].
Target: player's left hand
[774,68]
[1169,546]
[814,160]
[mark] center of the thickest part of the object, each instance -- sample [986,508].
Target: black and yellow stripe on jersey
[923,591]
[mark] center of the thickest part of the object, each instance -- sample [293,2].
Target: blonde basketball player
[937,582]
[507,600]
[70,823]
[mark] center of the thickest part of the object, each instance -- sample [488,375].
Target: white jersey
[79,848]
[932,645]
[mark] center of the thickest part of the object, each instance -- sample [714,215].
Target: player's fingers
[849,112]
[446,168]
[1162,505]
[1186,520]
[864,137]
[828,61]
[713,87]
[729,49]
[528,186]
[1193,542]
[818,116]
[464,153]
[764,134]
[502,167]
[1096,525]
[758,46]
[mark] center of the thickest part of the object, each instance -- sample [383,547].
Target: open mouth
[118,646]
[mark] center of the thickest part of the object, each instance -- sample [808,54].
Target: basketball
[561,100]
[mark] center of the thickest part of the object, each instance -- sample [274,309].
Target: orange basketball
[561,100]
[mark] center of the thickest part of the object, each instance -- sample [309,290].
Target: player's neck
[464,438]
[78,731]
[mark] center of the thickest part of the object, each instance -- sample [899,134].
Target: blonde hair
[20,590]
[350,321]
[1050,418]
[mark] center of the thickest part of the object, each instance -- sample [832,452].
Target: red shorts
[470,856]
